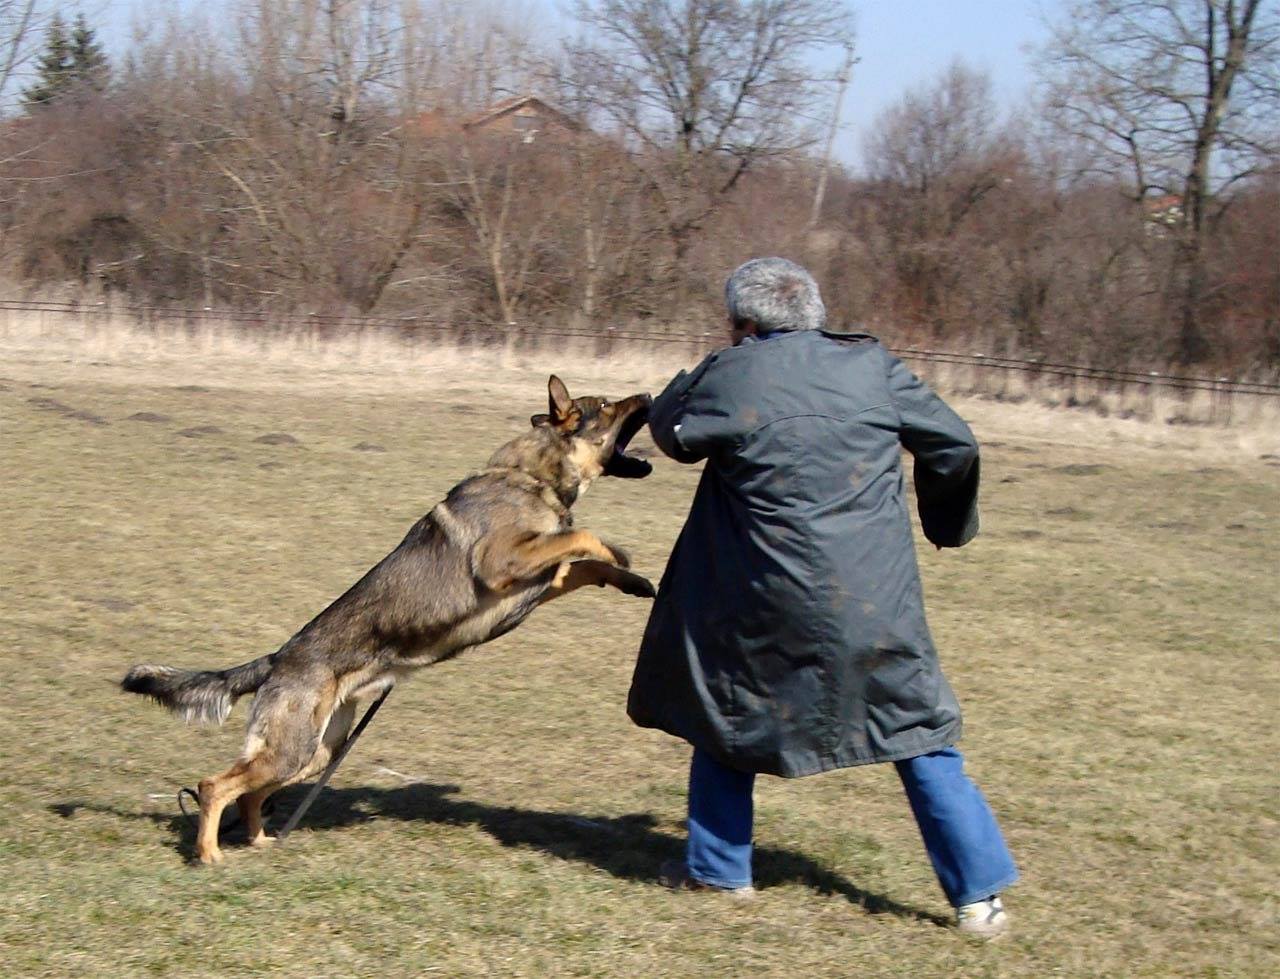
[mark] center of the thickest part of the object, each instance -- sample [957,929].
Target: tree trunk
[1192,344]
[592,270]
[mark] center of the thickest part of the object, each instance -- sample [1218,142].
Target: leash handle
[195,797]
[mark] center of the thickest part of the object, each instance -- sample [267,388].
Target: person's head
[767,295]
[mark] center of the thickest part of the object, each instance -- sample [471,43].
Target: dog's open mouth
[621,464]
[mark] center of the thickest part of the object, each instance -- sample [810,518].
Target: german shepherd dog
[499,545]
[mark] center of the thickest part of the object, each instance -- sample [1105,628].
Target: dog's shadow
[628,847]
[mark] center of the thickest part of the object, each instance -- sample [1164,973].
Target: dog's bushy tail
[198,695]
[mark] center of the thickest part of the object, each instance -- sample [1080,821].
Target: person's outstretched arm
[946,459]
[693,414]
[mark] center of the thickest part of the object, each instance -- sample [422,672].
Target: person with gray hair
[788,636]
[773,295]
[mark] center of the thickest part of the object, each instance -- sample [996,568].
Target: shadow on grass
[628,847]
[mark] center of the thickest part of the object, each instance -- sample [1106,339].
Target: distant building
[1164,211]
[525,116]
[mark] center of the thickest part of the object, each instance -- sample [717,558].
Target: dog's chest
[491,618]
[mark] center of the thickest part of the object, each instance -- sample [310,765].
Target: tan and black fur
[500,544]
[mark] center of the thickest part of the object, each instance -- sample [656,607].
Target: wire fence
[1078,382]
[328,323]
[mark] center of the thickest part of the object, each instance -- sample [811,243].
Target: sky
[901,44]
[905,44]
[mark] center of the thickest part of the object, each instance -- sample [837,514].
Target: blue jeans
[959,830]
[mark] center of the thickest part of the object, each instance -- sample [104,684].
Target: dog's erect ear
[559,402]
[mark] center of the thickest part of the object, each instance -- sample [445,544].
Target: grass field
[1112,635]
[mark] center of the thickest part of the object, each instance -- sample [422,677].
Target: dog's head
[577,440]
[594,432]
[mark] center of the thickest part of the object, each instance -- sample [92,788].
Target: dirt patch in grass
[1070,512]
[79,414]
[1081,469]
[107,602]
[277,438]
[50,404]
[199,431]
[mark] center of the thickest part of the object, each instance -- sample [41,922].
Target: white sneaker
[983,919]
[675,874]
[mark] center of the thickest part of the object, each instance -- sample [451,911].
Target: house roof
[1164,202]
[514,104]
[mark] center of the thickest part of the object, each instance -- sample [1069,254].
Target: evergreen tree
[69,64]
[53,67]
[88,60]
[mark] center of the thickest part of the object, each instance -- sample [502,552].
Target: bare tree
[702,90]
[934,158]
[304,54]
[1176,97]
[314,187]
[503,191]
[615,230]
[942,144]
[20,22]
[459,57]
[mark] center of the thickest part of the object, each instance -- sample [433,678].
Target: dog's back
[418,605]
[423,602]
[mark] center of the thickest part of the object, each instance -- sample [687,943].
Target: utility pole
[845,71]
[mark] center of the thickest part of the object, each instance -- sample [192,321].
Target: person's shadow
[628,847]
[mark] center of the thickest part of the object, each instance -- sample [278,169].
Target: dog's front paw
[640,587]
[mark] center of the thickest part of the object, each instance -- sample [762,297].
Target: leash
[293,820]
[323,780]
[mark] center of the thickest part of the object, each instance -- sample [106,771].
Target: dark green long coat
[789,635]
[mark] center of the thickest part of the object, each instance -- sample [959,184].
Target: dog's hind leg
[335,733]
[284,737]
[217,792]
[251,814]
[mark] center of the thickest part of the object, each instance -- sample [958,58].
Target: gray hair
[775,294]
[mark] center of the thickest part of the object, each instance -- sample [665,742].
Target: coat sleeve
[946,459]
[689,418]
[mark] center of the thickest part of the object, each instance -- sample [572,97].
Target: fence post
[1225,400]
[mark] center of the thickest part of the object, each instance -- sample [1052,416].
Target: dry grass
[1112,636]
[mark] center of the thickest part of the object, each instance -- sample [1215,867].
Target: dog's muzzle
[627,466]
